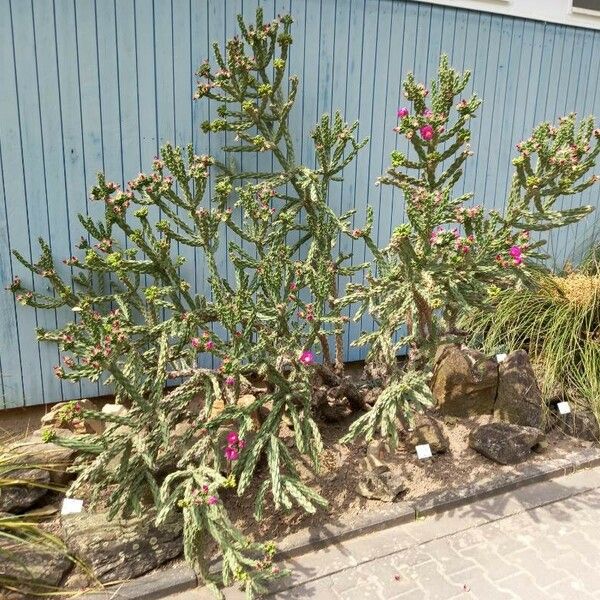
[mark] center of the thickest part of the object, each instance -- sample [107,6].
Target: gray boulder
[519,398]
[505,443]
[428,431]
[121,549]
[51,457]
[580,423]
[33,569]
[21,496]
[464,381]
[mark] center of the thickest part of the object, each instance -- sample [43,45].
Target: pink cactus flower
[517,254]
[293,286]
[195,342]
[402,113]
[307,357]
[209,345]
[427,113]
[426,132]
[231,454]
[212,500]
[230,380]
[233,437]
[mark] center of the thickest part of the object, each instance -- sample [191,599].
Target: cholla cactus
[449,256]
[139,322]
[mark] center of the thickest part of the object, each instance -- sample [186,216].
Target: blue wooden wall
[88,85]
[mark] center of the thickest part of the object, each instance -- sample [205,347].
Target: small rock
[334,410]
[32,568]
[372,395]
[19,497]
[246,400]
[581,424]
[464,381]
[114,410]
[379,483]
[378,449]
[120,549]
[428,431]
[505,443]
[34,451]
[64,415]
[519,398]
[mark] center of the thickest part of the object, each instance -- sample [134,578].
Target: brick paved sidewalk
[539,542]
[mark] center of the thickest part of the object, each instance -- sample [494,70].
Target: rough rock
[519,399]
[377,449]
[581,424]
[18,498]
[505,443]
[464,381]
[334,410]
[53,458]
[61,415]
[428,431]
[379,483]
[31,567]
[118,550]
[371,395]
[376,480]
[114,410]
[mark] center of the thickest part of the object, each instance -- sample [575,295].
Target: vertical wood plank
[91,85]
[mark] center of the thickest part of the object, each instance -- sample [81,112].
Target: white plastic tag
[423,451]
[71,506]
[500,357]
[564,408]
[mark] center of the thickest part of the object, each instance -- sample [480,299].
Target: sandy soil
[459,466]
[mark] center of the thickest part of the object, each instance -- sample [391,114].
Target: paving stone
[490,561]
[535,544]
[569,588]
[475,584]
[522,585]
[538,568]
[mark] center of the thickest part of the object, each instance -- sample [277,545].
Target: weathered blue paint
[89,85]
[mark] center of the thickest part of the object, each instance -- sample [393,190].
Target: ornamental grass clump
[557,320]
[139,326]
[451,256]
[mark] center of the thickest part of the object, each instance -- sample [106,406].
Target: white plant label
[564,408]
[423,451]
[71,506]
[500,357]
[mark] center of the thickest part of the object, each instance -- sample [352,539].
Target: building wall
[553,11]
[99,85]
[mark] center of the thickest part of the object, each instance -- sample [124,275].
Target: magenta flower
[402,113]
[230,380]
[195,343]
[307,357]
[517,254]
[426,132]
[231,453]
[427,113]
[209,345]
[232,437]
[212,500]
